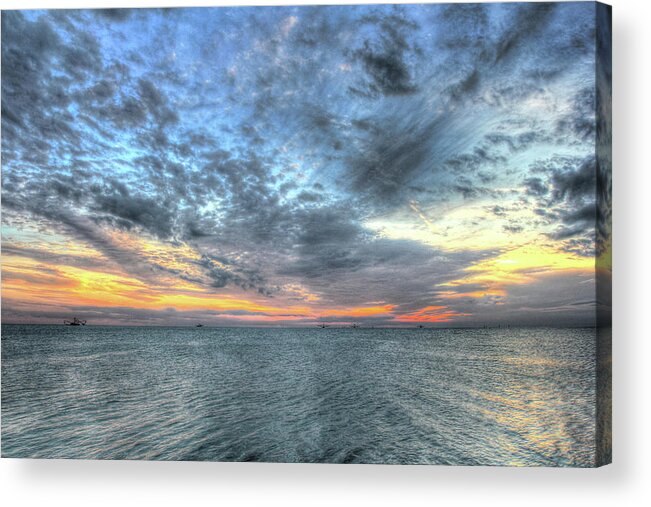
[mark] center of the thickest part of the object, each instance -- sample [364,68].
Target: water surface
[463,397]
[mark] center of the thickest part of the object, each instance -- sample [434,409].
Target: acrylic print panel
[369,234]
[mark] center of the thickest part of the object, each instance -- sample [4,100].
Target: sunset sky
[388,166]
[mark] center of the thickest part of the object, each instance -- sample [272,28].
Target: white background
[626,482]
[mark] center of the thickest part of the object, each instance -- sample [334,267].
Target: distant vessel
[199,325]
[420,326]
[74,322]
[322,325]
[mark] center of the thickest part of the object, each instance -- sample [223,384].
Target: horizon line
[204,326]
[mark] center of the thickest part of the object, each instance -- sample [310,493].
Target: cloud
[113,14]
[527,21]
[385,60]
[125,211]
[575,184]
[536,187]
[564,192]
[64,259]
[392,157]
[580,121]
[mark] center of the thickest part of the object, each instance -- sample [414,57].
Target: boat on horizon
[74,322]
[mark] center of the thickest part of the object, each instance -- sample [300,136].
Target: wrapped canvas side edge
[603,233]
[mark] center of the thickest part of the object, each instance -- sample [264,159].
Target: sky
[288,166]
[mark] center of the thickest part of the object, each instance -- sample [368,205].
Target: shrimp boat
[74,322]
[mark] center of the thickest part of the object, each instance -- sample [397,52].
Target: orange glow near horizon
[104,283]
[430,314]
[361,311]
[24,280]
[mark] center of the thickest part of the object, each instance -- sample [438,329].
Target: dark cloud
[466,25]
[565,232]
[527,22]
[576,222]
[470,162]
[580,122]
[386,60]
[584,247]
[536,187]
[113,14]
[223,272]
[499,211]
[575,184]
[127,211]
[309,197]
[392,157]
[517,142]
[587,213]
[513,228]
[466,86]
[565,192]
[326,241]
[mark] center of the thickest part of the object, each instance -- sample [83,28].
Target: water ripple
[465,397]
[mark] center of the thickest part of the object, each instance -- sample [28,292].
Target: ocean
[518,396]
